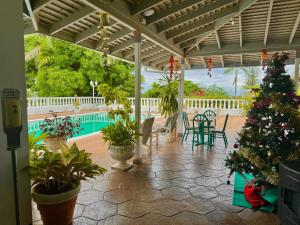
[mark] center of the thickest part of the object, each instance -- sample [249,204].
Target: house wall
[12,76]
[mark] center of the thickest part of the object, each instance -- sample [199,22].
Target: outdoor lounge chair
[146,132]
[170,126]
[187,128]
[221,133]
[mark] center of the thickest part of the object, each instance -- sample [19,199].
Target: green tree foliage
[214,91]
[57,68]
[251,77]
[271,133]
[189,89]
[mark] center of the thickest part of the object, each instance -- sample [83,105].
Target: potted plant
[57,130]
[120,135]
[76,104]
[168,104]
[56,180]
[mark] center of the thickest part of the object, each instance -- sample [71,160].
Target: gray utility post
[137,59]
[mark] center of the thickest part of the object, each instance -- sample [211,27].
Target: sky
[201,78]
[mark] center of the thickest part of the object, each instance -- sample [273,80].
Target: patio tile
[225,203]
[89,197]
[146,195]
[214,173]
[117,220]
[84,221]
[225,219]
[100,210]
[225,189]
[204,192]
[164,174]
[257,217]
[158,183]
[183,182]
[78,210]
[155,219]
[208,181]
[106,186]
[86,186]
[173,167]
[118,196]
[167,207]
[175,193]
[133,209]
[189,218]
[190,173]
[198,205]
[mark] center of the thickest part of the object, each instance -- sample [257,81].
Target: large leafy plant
[124,130]
[58,172]
[168,96]
[60,126]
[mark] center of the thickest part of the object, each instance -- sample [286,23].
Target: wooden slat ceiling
[231,32]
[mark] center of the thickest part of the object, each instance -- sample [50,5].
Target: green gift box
[270,195]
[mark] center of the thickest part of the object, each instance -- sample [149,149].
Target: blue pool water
[89,123]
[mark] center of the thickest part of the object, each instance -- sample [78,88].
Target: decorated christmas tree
[271,132]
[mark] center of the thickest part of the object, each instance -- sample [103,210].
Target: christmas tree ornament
[264,58]
[171,62]
[210,66]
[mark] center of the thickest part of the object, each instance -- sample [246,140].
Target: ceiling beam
[207,20]
[170,10]
[222,60]
[218,39]
[248,47]
[268,21]
[162,64]
[163,57]
[91,31]
[120,11]
[243,5]
[144,46]
[71,19]
[152,51]
[143,5]
[296,24]
[38,4]
[193,34]
[121,46]
[115,36]
[193,14]
[32,15]
[241,30]
[157,56]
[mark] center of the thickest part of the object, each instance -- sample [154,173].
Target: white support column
[180,98]
[137,60]
[12,75]
[297,62]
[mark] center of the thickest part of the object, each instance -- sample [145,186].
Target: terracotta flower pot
[121,154]
[57,209]
[53,143]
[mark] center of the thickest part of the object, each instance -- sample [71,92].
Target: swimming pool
[90,123]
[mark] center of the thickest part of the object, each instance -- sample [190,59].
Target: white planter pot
[53,143]
[121,154]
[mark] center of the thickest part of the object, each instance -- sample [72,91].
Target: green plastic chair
[199,130]
[221,133]
[187,128]
[211,115]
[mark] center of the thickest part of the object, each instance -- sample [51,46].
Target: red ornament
[210,66]
[264,58]
[253,196]
[171,62]
[235,145]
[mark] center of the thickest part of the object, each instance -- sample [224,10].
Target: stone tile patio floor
[173,186]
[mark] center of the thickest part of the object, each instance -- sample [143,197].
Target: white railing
[39,105]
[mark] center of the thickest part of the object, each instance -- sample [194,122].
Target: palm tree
[235,81]
[251,76]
